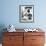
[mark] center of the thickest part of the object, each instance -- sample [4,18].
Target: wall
[9,13]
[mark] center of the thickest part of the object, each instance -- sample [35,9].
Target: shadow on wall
[2,26]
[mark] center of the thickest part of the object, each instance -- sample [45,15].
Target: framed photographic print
[26,13]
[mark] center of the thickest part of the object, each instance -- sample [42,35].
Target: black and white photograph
[26,13]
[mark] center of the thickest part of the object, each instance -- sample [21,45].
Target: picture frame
[26,13]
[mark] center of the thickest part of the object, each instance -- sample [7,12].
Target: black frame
[21,7]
